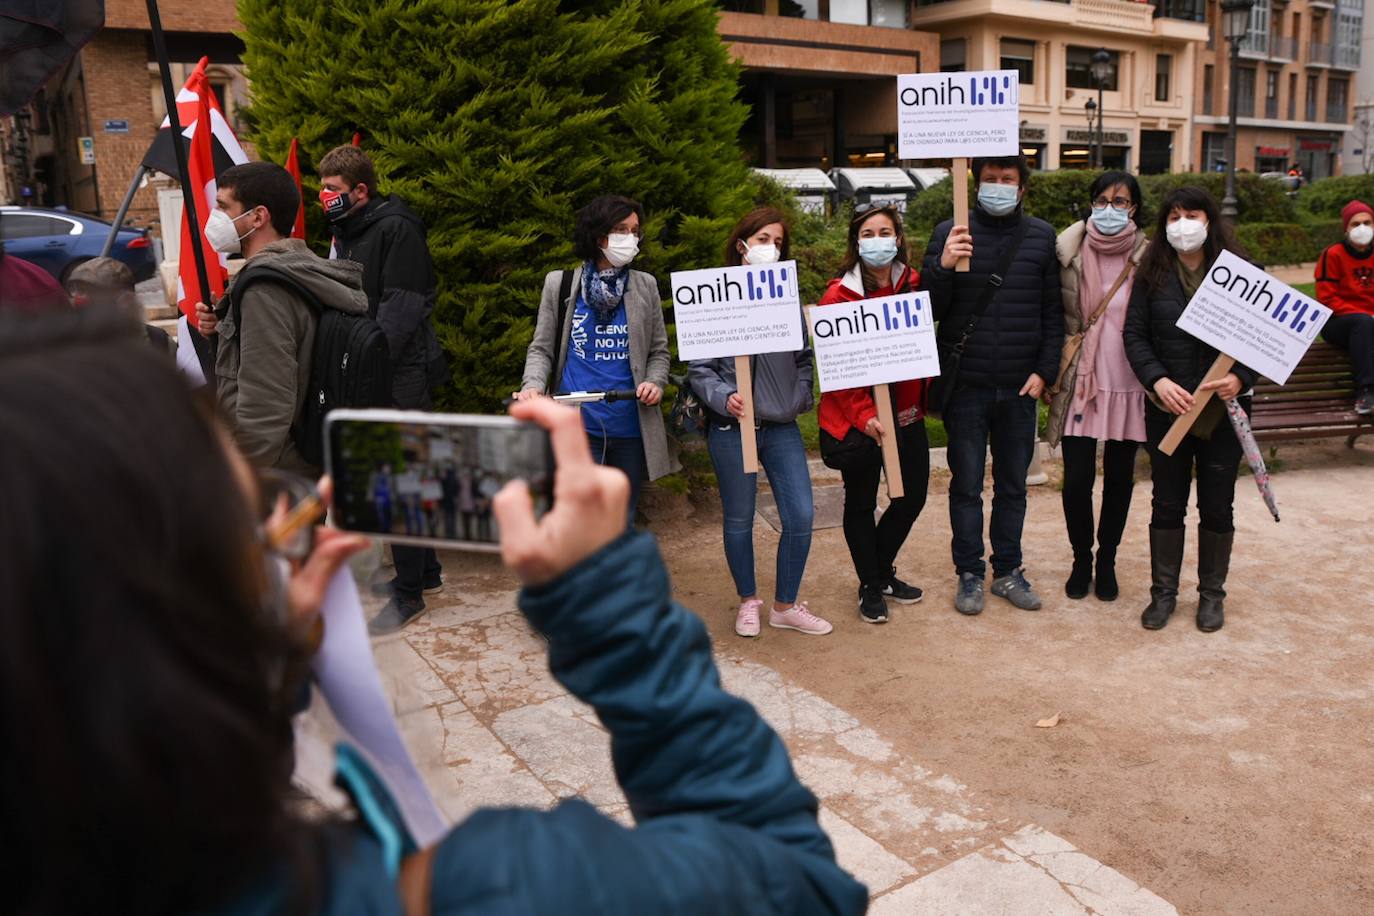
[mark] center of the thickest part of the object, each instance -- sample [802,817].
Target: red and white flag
[293,165]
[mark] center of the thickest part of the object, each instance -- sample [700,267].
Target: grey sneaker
[1014,587]
[1364,404]
[969,598]
[398,613]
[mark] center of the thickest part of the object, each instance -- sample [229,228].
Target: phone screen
[430,478]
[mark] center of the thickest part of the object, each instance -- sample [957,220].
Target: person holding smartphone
[611,338]
[782,391]
[1171,363]
[876,264]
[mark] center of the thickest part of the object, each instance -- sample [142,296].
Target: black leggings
[1118,482]
[1215,459]
[874,547]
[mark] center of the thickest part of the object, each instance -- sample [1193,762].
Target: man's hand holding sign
[1249,317]
[740,312]
[875,342]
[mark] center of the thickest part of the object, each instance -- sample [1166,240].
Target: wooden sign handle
[744,382]
[1185,422]
[959,169]
[892,465]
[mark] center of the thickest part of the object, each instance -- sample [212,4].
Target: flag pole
[123,210]
[188,194]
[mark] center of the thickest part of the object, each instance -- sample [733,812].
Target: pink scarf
[1097,249]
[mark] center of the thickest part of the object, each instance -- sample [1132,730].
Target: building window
[1019,55]
[1292,96]
[1245,92]
[1078,69]
[1258,38]
[1313,86]
[1337,92]
[1271,93]
[889,14]
[1213,152]
[953,53]
[1349,25]
[1163,64]
[850,12]
[799,9]
[1208,81]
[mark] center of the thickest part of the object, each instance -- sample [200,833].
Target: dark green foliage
[1259,200]
[1324,199]
[1276,244]
[1060,198]
[496,120]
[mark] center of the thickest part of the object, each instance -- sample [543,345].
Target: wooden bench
[1317,402]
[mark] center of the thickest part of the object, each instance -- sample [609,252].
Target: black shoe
[1080,577]
[397,613]
[899,591]
[1213,563]
[1166,560]
[388,588]
[1105,585]
[872,606]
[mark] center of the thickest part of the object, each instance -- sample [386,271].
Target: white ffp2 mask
[621,249]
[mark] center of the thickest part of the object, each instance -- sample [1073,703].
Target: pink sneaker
[799,617]
[747,620]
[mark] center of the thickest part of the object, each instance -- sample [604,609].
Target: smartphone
[428,478]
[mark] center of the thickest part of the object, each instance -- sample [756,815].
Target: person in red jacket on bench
[1345,284]
[876,265]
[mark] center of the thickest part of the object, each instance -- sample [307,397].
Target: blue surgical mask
[878,251]
[1110,220]
[998,199]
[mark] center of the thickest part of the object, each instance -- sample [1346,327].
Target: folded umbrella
[1246,436]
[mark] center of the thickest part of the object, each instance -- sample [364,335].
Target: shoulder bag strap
[995,280]
[564,291]
[1101,309]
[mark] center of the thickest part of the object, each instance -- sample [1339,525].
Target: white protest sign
[737,311]
[954,115]
[1248,315]
[874,341]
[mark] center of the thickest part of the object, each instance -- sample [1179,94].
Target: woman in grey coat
[612,338]
[782,391]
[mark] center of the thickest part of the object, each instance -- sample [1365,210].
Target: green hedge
[1323,199]
[1275,244]
[1258,200]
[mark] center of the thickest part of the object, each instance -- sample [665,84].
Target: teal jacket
[724,827]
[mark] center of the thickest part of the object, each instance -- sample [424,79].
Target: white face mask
[761,254]
[621,249]
[1187,235]
[1362,235]
[222,232]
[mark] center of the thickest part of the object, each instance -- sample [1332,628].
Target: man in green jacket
[264,352]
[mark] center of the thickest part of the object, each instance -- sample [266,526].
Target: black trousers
[1355,335]
[873,546]
[1118,482]
[416,567]
[1212,460]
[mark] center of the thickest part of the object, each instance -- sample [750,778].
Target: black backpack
[350,364]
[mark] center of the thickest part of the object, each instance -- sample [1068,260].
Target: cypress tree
[495,121]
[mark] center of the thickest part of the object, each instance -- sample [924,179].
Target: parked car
[58,240]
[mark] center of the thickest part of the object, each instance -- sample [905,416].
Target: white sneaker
[747,619]
[799,617]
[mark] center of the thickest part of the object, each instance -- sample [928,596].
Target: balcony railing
[1281,48]
[1318,54]
[1271,108]
[1245,106]
[1189,10]
[1255,44]
[1346,57]
[1336,114]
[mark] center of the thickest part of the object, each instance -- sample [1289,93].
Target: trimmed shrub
[1276,244]
[1258,200]
[1324,198]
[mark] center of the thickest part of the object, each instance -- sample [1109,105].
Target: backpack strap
[564,291]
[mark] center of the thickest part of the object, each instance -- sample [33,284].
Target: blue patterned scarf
[603,289]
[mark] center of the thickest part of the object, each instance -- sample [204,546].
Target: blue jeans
[625,454]
[975,418]
[783,456]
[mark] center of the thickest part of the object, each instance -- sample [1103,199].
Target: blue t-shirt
[599,360]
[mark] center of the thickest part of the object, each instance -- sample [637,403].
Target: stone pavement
[488,725]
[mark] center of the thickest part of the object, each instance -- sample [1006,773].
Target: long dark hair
[148,752]
[1161,261]
[1108,180]
[862,214]
[752,222]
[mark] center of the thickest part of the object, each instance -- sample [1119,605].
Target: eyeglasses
[1118,203]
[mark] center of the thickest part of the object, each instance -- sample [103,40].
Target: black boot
[1081,576]
[1213,562]
[1166,560]
[1104,583]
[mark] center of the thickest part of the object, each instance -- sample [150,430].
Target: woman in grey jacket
[782,391]
[612,339]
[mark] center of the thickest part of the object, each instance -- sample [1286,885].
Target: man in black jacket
[388,239]
[1008,359]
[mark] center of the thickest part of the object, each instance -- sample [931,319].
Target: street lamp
[1090,109]
[1101,70]
[1235,23]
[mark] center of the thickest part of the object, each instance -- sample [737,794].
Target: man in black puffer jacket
[388,239]
[1009,358]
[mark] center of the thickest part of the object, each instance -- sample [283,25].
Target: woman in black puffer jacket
[1171,363]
